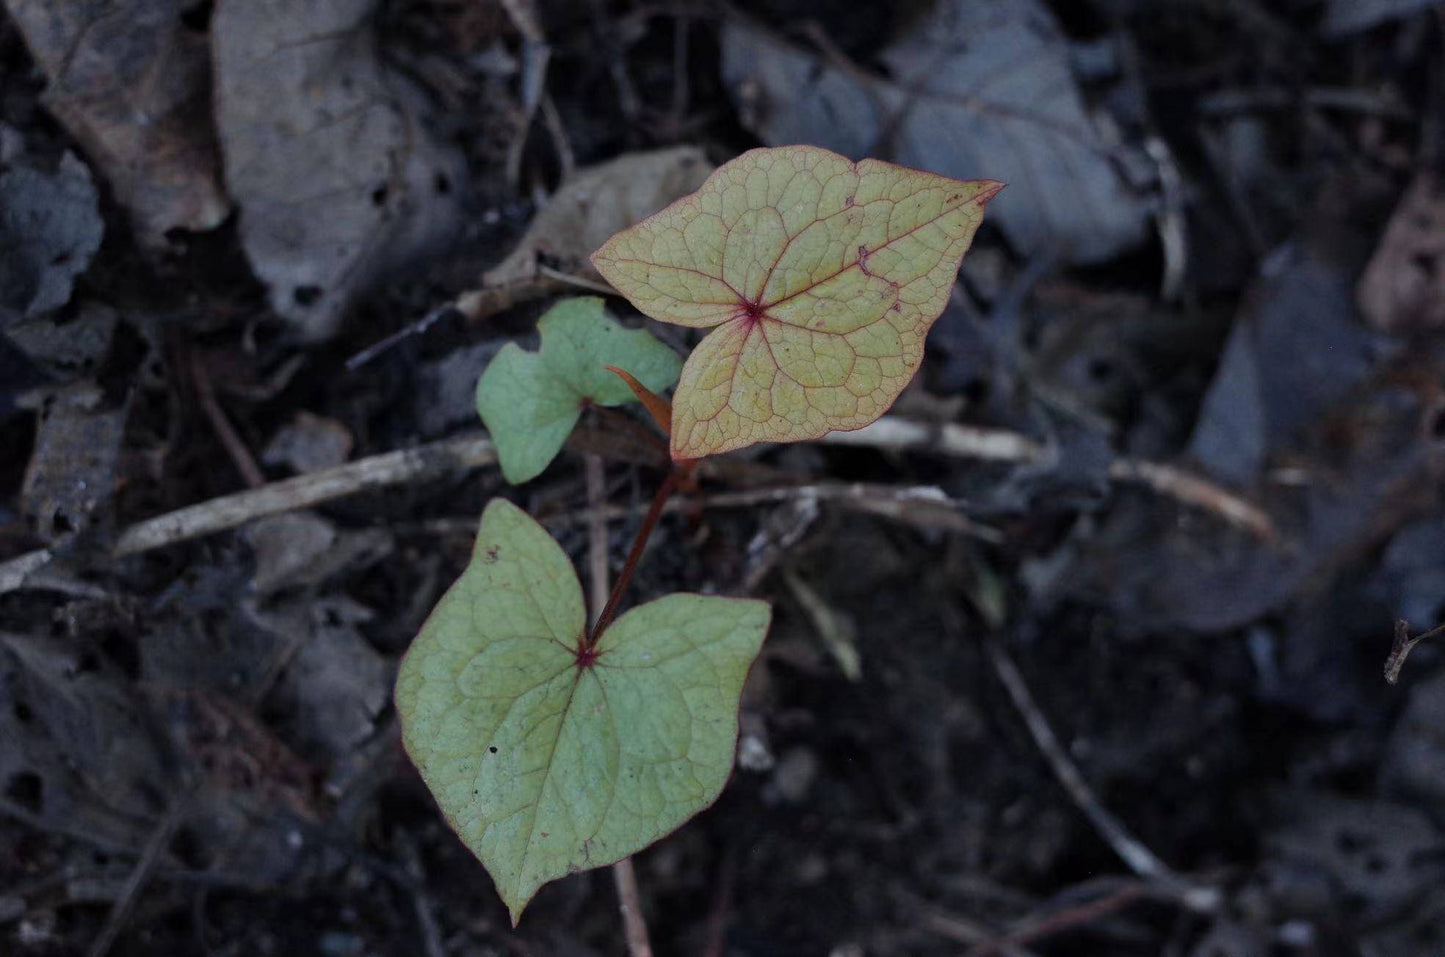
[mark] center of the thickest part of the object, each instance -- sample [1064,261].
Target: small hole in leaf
[306,295]
[493,749]
[27,790]
[378,195]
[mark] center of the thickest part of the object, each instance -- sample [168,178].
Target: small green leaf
[530,400]
[547,759]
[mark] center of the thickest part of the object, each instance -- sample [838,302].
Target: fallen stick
[1139,859]
[1001,445]
[231,511]
[473,451]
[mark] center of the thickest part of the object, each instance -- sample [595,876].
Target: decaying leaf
[72,470]
[974,85]
[77,749]
[338,180]
[1403,288]
[597,202]
[821,278]
[50,226]
[131,81]
[530,400]
[546,756]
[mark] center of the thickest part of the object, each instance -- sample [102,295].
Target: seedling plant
[552,747]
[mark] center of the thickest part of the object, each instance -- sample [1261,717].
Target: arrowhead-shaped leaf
[547,759]
[821,277]
[530,400]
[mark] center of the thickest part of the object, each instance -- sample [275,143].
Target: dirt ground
[1118,689]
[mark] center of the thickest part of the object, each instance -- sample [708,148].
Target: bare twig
[244,461]
[630,903]
[889,432]
[231,511]
[155,847]
[1056,922]
[629,900]
[597,572]
[421,902]
[961,930]
[1001,445]
[1131,851]
[1403,646]
[924,506]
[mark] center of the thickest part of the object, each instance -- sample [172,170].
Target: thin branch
[304,491]
[629,900]
[244,461]
[156,846]
[1130,849]
[1001,445]
[467,452]
[1404,644]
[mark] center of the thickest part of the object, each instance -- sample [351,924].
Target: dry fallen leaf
[973,85]
[338,180]
[50,227]
[130,80]
[1403,287]
[598,202]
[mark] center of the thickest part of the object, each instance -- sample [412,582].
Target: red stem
[649,522]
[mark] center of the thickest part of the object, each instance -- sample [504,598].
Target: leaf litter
[1188,669]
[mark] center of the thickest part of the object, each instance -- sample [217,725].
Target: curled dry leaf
[338,181]
[597,202]
[819,277]
[131,81]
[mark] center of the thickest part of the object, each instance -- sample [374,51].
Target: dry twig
[629,899]
[1130,849]
[155,847]
[1001,445]
[1403,646]
[231,511]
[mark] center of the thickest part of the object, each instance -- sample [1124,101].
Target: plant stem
[644,532]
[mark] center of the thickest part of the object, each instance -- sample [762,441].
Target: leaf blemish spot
[492,749]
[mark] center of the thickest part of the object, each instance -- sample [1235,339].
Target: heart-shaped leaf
[822,277]
[548,757]
[530,400]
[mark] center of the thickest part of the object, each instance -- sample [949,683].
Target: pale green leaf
[546,763]
[531,400]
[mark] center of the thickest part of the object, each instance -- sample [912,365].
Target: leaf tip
[988,189]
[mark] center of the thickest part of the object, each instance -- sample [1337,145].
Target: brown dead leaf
[597,202]
[130,80]
[1403,287]
[72,470]
[338,181]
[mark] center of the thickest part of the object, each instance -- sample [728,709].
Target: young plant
[551,748]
